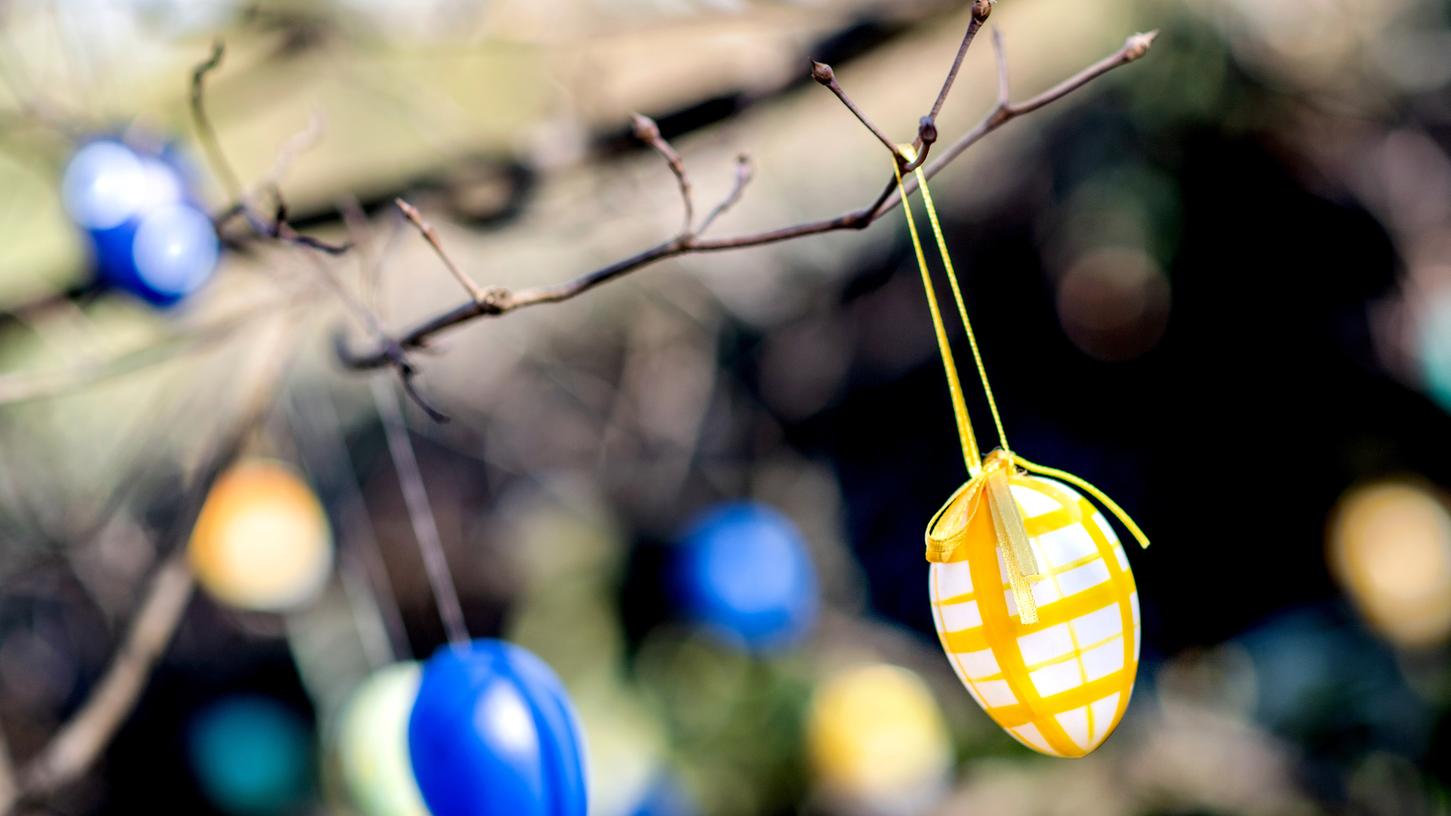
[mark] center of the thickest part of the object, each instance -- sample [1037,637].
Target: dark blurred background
[1216,283]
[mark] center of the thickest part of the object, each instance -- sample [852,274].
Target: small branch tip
[1138,45]
[645,128]
[927,130]
[822,73]
[981,9]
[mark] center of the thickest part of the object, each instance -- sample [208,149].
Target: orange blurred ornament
[262,541]
[1390,548]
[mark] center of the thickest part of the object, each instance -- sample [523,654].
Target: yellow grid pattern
[1086,601]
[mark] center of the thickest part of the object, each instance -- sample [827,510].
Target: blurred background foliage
[1217,283]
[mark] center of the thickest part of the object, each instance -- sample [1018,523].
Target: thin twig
[415,218]
[826,77]
[648,132]
[205,131]
[927,125]
[296,144]
[981,9]
[395,354]
[1134,48]
[744,173]
[278,228]
[420,514]
[1000,54]
[502,301]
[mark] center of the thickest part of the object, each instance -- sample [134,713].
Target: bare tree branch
[80,741]
[927,125]
[648,132]
[1134,48]
[744,173]
[981,9]
[825,76]
[1000,55]
[278,228]
[205,131]
[499,301]
[426,229]
[75,747]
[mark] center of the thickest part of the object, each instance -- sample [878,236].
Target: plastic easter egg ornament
[1390,548]
[1032,595]
[492,733]
[745,573]
[262,541]
[1060,682]
[372,743]
[876,735]
[148,234]
[251,756]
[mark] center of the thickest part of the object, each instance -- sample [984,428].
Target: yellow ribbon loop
[991,478]
[1084,485]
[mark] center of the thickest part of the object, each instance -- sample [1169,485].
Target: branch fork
[689,241]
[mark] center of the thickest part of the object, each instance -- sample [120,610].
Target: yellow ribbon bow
[991,477]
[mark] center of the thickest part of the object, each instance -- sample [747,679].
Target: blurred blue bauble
[493,733]
[665,798]
[148,234]
[744,573]
[251,756]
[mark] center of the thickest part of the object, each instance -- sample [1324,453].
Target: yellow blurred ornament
[1032,595]
[1390,548]
[372,743]
[262,541]
[875,733]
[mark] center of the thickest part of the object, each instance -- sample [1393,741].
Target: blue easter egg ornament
[148,234]
[493,733]
[744,572]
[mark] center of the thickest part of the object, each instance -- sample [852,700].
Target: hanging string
[990,480]
[970,451]
[987,389]
[969,440]
[420,513]
[325,454]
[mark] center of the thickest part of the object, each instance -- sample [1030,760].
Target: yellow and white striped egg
[1061,685]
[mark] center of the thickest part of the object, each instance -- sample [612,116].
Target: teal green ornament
[252,756]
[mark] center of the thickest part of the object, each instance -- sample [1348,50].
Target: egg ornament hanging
[262,541]
[493,733]
[148,234]
[372,743]
[1032,596]
[745,575]
[1045,634]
